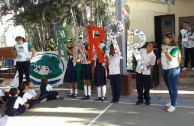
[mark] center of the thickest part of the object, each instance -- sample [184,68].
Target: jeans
[170,77]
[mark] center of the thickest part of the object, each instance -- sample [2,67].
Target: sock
[104,90]
[99,91]
[89,90]
[71,91]
[85,89]
[76,91]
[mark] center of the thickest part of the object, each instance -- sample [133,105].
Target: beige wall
[143,12]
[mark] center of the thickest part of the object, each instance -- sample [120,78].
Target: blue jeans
[170,77]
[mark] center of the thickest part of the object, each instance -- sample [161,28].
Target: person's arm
[30,48]
[168,56]
[1,100]
[152,62]
[21,102]
[69,51]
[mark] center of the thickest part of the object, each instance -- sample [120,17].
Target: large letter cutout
[94,42]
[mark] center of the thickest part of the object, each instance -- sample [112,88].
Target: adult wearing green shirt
[23,60]
[170,58]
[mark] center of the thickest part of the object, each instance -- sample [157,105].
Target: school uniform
[114,75]
[189,49]
[34,94]
[21,64]
[3,96]
[170,72]
[46,89]
[15,106]
[100,74]
[27,97]
[70,74]
[143,79]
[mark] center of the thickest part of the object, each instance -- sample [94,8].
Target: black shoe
[70,95]
[88,97]
[59,98]
[84,98]
[113,101]
[139,102]
[75,95]
[103,99]
[98,99]
[147,103]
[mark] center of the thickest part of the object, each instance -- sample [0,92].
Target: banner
[45,64]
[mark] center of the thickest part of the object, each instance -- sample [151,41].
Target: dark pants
[15,112]
[5,98]
[170,77]
[115,81]
[143,82]
[32,103]
[23,68]
[189,52]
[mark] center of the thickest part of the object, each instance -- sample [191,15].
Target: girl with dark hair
[70,73]
[170,58]
[23,60]
[189,48]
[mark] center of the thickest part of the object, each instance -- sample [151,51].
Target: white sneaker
[192,68]
[168,104]
[171,109]
[184,68]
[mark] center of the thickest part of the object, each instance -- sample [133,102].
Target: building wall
[143,12]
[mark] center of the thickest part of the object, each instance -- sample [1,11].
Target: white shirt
[188,43]
[166,64]
[148,59]
[114,64]
[32,92]
[22,52]
[1,93]
[183,32]
[49,87]
[27,96]
[18,102]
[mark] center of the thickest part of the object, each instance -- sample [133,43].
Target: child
[70,74]
[31,91]
[3,97]
[86,73]
[27,97]
[46,89]
[114,73]
[15,106]
[100,75]
[143,79]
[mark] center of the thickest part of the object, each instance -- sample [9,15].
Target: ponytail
[20,38]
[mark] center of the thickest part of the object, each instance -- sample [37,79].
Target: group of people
[187,45]
[18,101]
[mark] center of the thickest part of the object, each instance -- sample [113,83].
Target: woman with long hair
[23,59]
[170,58]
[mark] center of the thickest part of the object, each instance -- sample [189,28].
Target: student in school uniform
[31,91]
[70,73]
[27,97]
[143,79]
[86,73]
[100,75]
[15,106]
[46,89]
[114,73]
